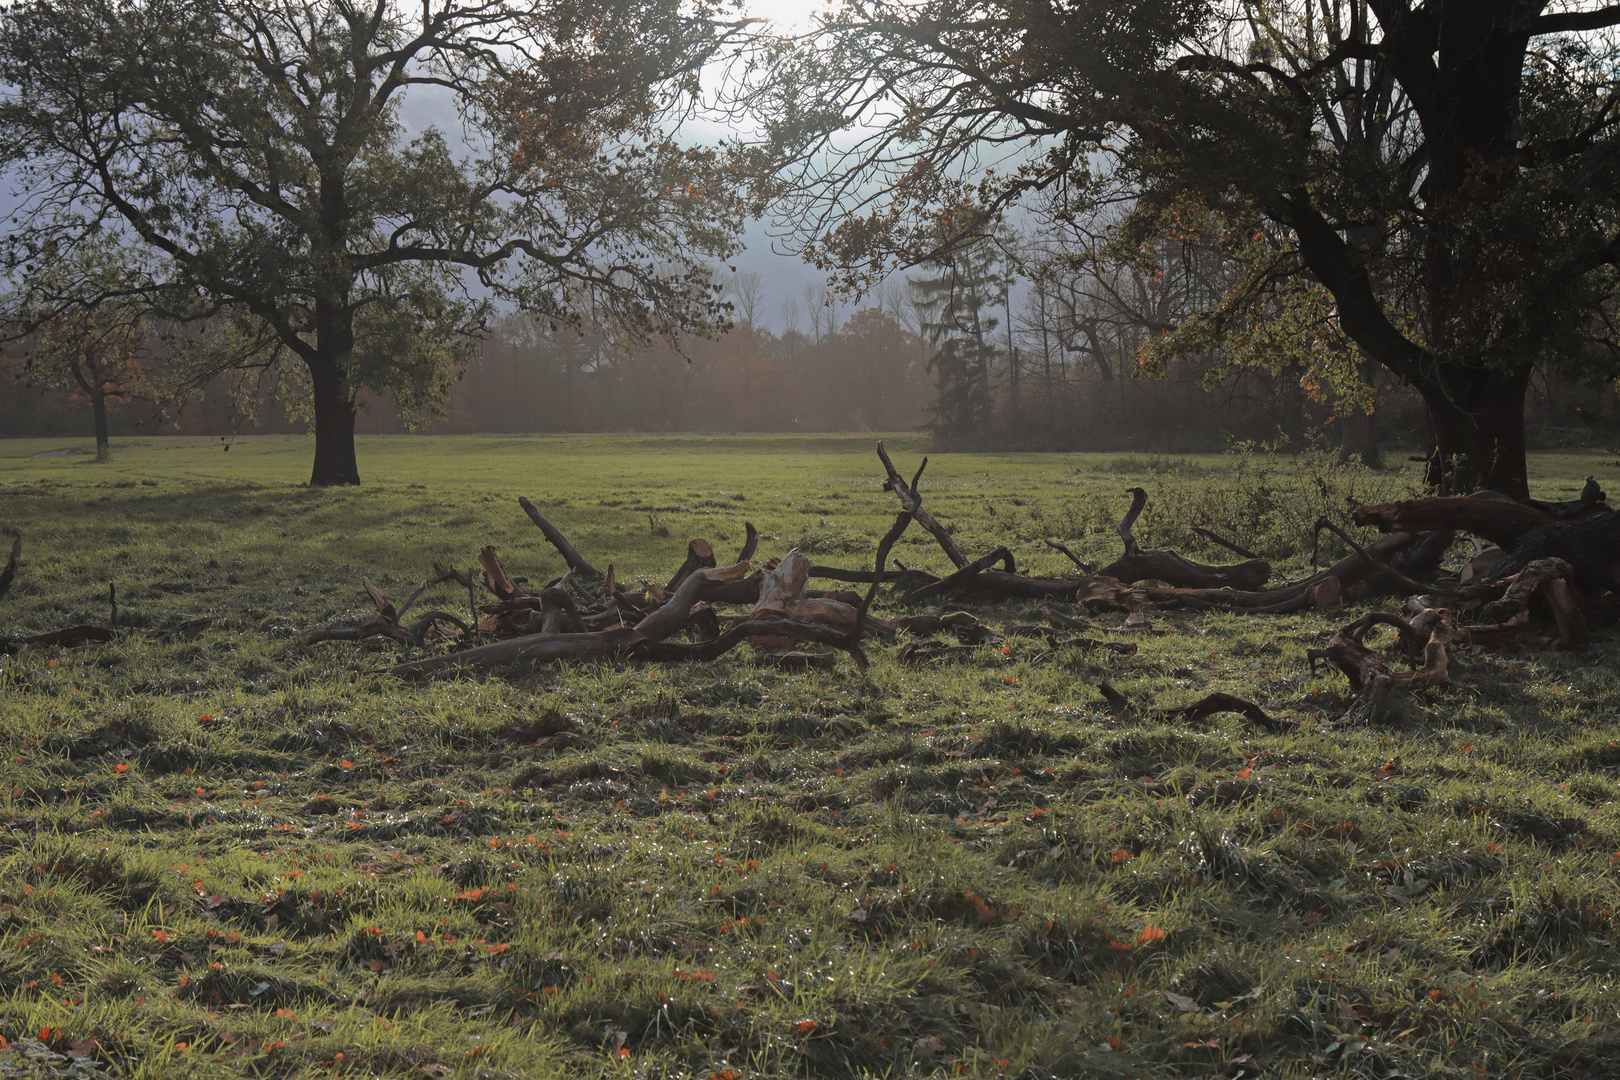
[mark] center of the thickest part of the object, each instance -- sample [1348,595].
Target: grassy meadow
[223,854]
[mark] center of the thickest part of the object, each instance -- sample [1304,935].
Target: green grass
[227,855]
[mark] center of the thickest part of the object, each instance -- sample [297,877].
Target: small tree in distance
[96,354]
[85,331]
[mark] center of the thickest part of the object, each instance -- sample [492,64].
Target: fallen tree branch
[866,577]
[1590,546]
[958,581]
[1205,706]
[750,545]
[1324,523]
[1173,569]
[913,505]
[1223,542]
[61,639]
[1084,568]
[885,545]
[576,562]
[1351,576]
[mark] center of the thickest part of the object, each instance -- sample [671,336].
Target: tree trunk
[98,408]
[1358,437]
[1479,432]
[335,463]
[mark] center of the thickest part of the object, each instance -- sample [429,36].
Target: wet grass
[222,854]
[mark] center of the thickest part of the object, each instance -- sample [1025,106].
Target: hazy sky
[782,275]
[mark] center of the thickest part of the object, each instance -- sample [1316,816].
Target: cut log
[782,586]
[839,615]
[1503,604]
[495,575]
[699,556]
[1567,613]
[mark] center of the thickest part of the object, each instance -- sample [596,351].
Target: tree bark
[1359,430]
[335,463]
[1478,419]
[98,408]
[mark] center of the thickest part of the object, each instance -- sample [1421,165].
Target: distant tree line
[1025,344]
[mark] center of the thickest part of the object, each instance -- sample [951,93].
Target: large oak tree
[255,151]
[1446,170]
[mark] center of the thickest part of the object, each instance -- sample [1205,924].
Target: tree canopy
[255,152]
[1443,172]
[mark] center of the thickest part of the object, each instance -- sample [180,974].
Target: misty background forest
[1057,370]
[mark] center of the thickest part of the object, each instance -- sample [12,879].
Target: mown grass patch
[226,855]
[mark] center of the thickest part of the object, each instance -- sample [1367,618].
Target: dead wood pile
[1550,555]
